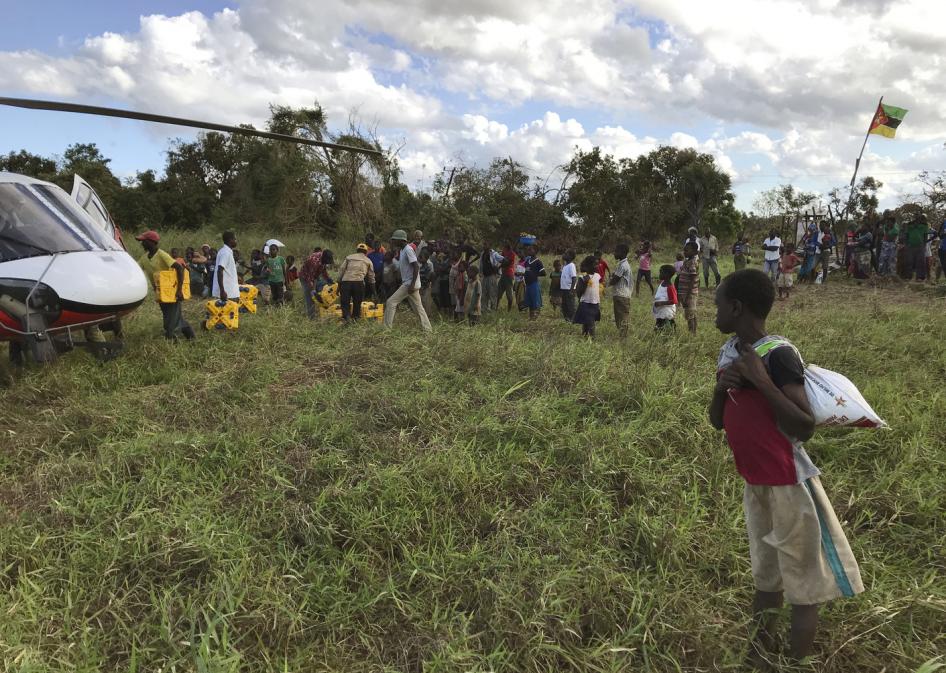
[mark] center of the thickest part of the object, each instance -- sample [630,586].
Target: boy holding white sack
[796,544]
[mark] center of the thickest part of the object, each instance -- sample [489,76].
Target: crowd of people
[461,282]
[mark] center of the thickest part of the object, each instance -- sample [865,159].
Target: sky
[778,91]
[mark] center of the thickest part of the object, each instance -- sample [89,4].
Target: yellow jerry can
[328,295]
[167,286]
[330,311]
[222,315]
[249,298]
[371,310]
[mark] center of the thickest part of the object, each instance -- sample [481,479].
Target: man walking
[771,246]
[709,250]
[153,262]
[410,282]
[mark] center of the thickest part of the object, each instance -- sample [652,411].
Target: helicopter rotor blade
[176,121]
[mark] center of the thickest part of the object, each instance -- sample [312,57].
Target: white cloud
[211,67]
[787,83]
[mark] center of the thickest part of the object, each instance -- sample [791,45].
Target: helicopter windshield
[77,217]
[30,227]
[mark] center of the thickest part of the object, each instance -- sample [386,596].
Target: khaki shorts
[784,280]
[797,545]
[622,311]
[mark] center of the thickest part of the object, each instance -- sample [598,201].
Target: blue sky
[469,81]
[61,25]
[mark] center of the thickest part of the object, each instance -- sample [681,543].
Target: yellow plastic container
[167,286]
[222,315]
[371,310]
[249,298]
[330,311]
[328,295]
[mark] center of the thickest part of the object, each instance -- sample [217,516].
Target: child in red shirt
[602,267]
[798,550]
[665,301]
[787,264]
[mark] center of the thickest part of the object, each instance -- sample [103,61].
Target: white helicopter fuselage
[58,263]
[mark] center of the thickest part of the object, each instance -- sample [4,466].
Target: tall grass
[308,496]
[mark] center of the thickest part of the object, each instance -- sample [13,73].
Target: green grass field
[306,496]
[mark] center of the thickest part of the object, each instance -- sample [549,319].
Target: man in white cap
[410,282]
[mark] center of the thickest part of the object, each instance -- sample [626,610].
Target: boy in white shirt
[567,285]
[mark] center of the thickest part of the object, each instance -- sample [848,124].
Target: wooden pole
[857,163]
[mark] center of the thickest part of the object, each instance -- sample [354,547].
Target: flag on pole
[886,120]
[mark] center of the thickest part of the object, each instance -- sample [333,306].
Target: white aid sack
[834,400]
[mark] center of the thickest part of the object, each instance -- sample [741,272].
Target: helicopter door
[87,199]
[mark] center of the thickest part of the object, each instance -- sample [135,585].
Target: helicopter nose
[102,279]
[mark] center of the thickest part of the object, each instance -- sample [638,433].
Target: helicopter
[63,265]
[60,270]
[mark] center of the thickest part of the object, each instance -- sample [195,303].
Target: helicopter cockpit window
[91,206]
[29,229]
[77,217]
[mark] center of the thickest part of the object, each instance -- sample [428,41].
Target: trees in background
[237,181]
[233,181]
[662,192]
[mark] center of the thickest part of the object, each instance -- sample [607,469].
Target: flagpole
[857,162]
[850,197]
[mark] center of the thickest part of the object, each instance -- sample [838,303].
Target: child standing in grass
[688,284]
[555,279]
[473,304]
[458,285]
[644,254]
[787,264]
[796,544]
[665,301]
[589,310]
[276,268]
[740,252]
[292,272]
[621,281]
